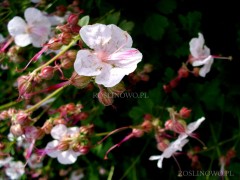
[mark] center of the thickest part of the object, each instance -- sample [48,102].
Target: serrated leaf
[84,21]
[113,18]
[191,22]
[155,26]
[166,6]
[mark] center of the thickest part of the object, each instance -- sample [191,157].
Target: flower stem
[36,106]
[10,104]
[59,54]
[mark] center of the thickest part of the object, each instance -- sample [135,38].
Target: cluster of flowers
[107,60]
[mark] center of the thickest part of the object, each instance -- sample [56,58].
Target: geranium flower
[36,30]
[191,127]
[201,55]
[15,170]
[112,56]
[60,133]
[173,147]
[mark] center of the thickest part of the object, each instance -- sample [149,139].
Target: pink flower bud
[4,115]
[64,28]
[144,77]
[71,54]
[185,112]
[66,63]
[183,72]
[16,130]
[65,37]
[82,115]
[161,146]
[73,19]
[167,88]
[75,29]
[105,98]
[84,149]
[54,44]
[147,117]
[79,81]
[87,130]
[22,118]
[196,71]
[137,133]
[146,126]
[24,85]
[47,127]
[174,82]
[47,72]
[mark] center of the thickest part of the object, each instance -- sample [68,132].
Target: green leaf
[84,21]
[167,6]
[126,25]
[113,18]
[136,113]
[191,22]
[155,26]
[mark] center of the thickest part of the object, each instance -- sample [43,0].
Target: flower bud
[73,19]
[79,81]
[47,127]
[144,77]
[174,82]
[87,130]
[4,115]
[137,133]
[185,112]
[54,44]
[161,146]
[75,29]
[105,97]
[147,117]
[82,116]
[167,88]
[117,89]
[196,71]
[16,130]
[47,72]
[22,118]
[183,72]
[65,37]
[147,68]
[71,54]
[84,149]
[66,63]
[64,28]
[146,126]
[24,85]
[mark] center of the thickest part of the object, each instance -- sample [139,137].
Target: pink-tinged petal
[87,63]
[196,45]
[125,58]
[110,76]
[39,40]
[59,131]
[33,15]
[73,130]
[194,125]
[67,157]
[17,26]
[56,20]
[22,40]
[154,157]
[206,68]
[95,36]
[51,149]
[203,61]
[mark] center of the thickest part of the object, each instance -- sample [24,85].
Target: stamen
[219,57]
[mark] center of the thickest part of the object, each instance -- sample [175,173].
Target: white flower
[112,56]
[191,127]
[5,161]
[173,147]
[20,140]
[15,170]
[34,162]
[59,132]
[35,31]
[201,55]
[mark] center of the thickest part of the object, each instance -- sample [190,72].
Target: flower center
[102,55]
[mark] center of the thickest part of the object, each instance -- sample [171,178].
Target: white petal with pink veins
[51,149]
[22,40]
[67,157]
[17,26]
[59,131]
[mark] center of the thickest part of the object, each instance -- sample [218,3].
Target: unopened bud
[66,63]
[73,19]
[47,72]
[196,71]
[64,28]
[174,82]
[71,54]
[66,38]
[86,130]
[24,85]
[75,29]
[137,133]
[84,149]
[82,115]
[54,44]
[47,127]
[167,88]
[144,77]
[183,72]
[163,145]
[79,81]
[146,126]
[117,89]
[16,130]
[4,115]
[105,97]
[147,117]
[185,112]
[22,118]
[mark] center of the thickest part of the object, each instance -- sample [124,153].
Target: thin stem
[59,54]
[110,175]
[5,106]
[33,108]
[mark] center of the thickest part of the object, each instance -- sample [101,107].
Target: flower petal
[194,125]
[22,40]
[95,36]
[206,68]
[159,164]
[73,130]
[51,149]
[17,26]
[67,157]
[59,131]
[202,61]
[33,15]
[110,76]
[154,157]
[87,64]
[196,45]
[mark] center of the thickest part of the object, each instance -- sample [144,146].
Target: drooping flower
[201,55]
[60,148]
[34,31]
[15,170]
[112,56]
[173,147]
